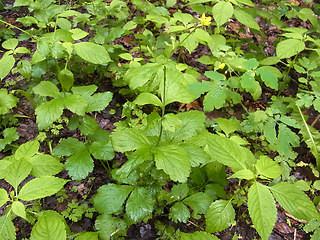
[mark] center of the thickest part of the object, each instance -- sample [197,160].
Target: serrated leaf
[269,79]
[108,226]
[179,192]
[111,197]
[215,99]
[221,12]
[179,213]
[286,139]
[140,204]
[75,103]
[148,98]
[47,89]
[174,161]
[92,52]
[219,216]
[50,226]
[45,165]
[289,47]
[295,201]
[7,101]
[41,187]
[80,164]
[102,150]
[88,236]
[3,197]
[6,64]
[10,43]
[98,101]
[7,229]
[198,236]
[246,19]
[27,150]
[196,155]
[251,85]
[17,171]
[84,91]
[228,125]
[9,135]
[267,167]
[243,174]
[19,209]
[66,79]
[68,146]
[48,112]
[262,209]
[199,202]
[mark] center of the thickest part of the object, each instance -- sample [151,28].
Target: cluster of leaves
[177,161]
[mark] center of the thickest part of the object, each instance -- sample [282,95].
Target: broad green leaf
[48,112]
[102,150]
[189,41]
[3,197]
[269,79]
[148,98]
[198,236]
[66,79]
[111,197]
[219,216]
[84,91]
[41,187]
[140,204]
[7,229]
[75,103]
[6,64]
[289,47]
[47,89]
[174,161]
[10,43]
[179,213]
[215,99]
[198,202]
[179,192]
[269,130]
[170,122]
[50,226]
[286,139]
[108,226]
[17,171]
[45,165]
[250,85]
[228,125]
[98,102]
[68,146]
[27,150]
[196,155]
[9,135]
[243,174]
[246,19]
[19,209]
[221,12]
[266,167]
[88,236]
[78,33]
[124,140]
[80,164]
[92,52]
[295,201]
[7,101]
[4,164]
[262,209]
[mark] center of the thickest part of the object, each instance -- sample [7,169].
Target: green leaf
[219,216]
[179,192]
[294,201]
[221,12]
[45,165]
[6,64]
[250,85]
[215,99]
[189,41]
[269,79]
[148,98]
[88,236]
[47,89]
[108,226]
[19,209]
[48,112]
[228,125]
[267,167]
[66,79]
[41,187]
[92,52]
[196,155]
[9,135]
[289,47]
[286,139]
[17,171]
[98,102]
[198,236]
[78,33]
[49,226]
[114,195]
[262,209]
[102,150]
[246,19]
[7,101]
[199,202]
[124,140]
[84,91]
[75,103]
[243,174]
[179,213]
[174,161]
[27,150]
[10,43]
[3,197]
[140,204]
[7,229]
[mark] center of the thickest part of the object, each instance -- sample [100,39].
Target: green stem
[9,24]
[316,120]
[163,103]
[286,79]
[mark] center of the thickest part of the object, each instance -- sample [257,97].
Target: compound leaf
[179,212]
[47,89]
[48,112]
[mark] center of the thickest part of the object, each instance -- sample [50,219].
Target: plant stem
[9,24]
[163,103]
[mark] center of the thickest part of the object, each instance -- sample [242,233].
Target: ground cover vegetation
[177,119]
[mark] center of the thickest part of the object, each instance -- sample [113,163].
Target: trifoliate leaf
[215,99]
[289,47]
[174,161]
[111,197]
[9,135]
[199,202]
[98,102]
[109,226]
[7,229]
[48,112]
[262,209]
[140,204]
[75,103]
[92,52]
[27,150]
[7,101]
[221,12]
[45,165]
[17,171]
[219,216]
[179,213]
[47,89]
[266,167]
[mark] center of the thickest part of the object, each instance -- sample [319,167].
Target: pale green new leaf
[140,204]
[7,101]
[294,201]
[228,125]
[246,19]
[221,12]
[262,209]
[41,187]
[250,85]
[45,165]
[196,155]
[219,216]
[289,47]
[50,226]
[148,98]
[215,99]
[47,89]
[269,79]
[75,103]
[198,236]
[179,213]
[92,52]
[7,229]
[189,41]
[6,64]
[3,197]
[27,150]
[10,43]
[17,171]
[286,140]
[48,112]
[84,91]
[266,167]
[19,209]
[98,101]
[174,161]
[243,174]
[111,197]
[66,79]
[88,236]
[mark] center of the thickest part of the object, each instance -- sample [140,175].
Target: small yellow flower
[205,20]
[222,65]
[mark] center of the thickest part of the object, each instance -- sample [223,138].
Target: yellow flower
[222,65]
[205,20]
